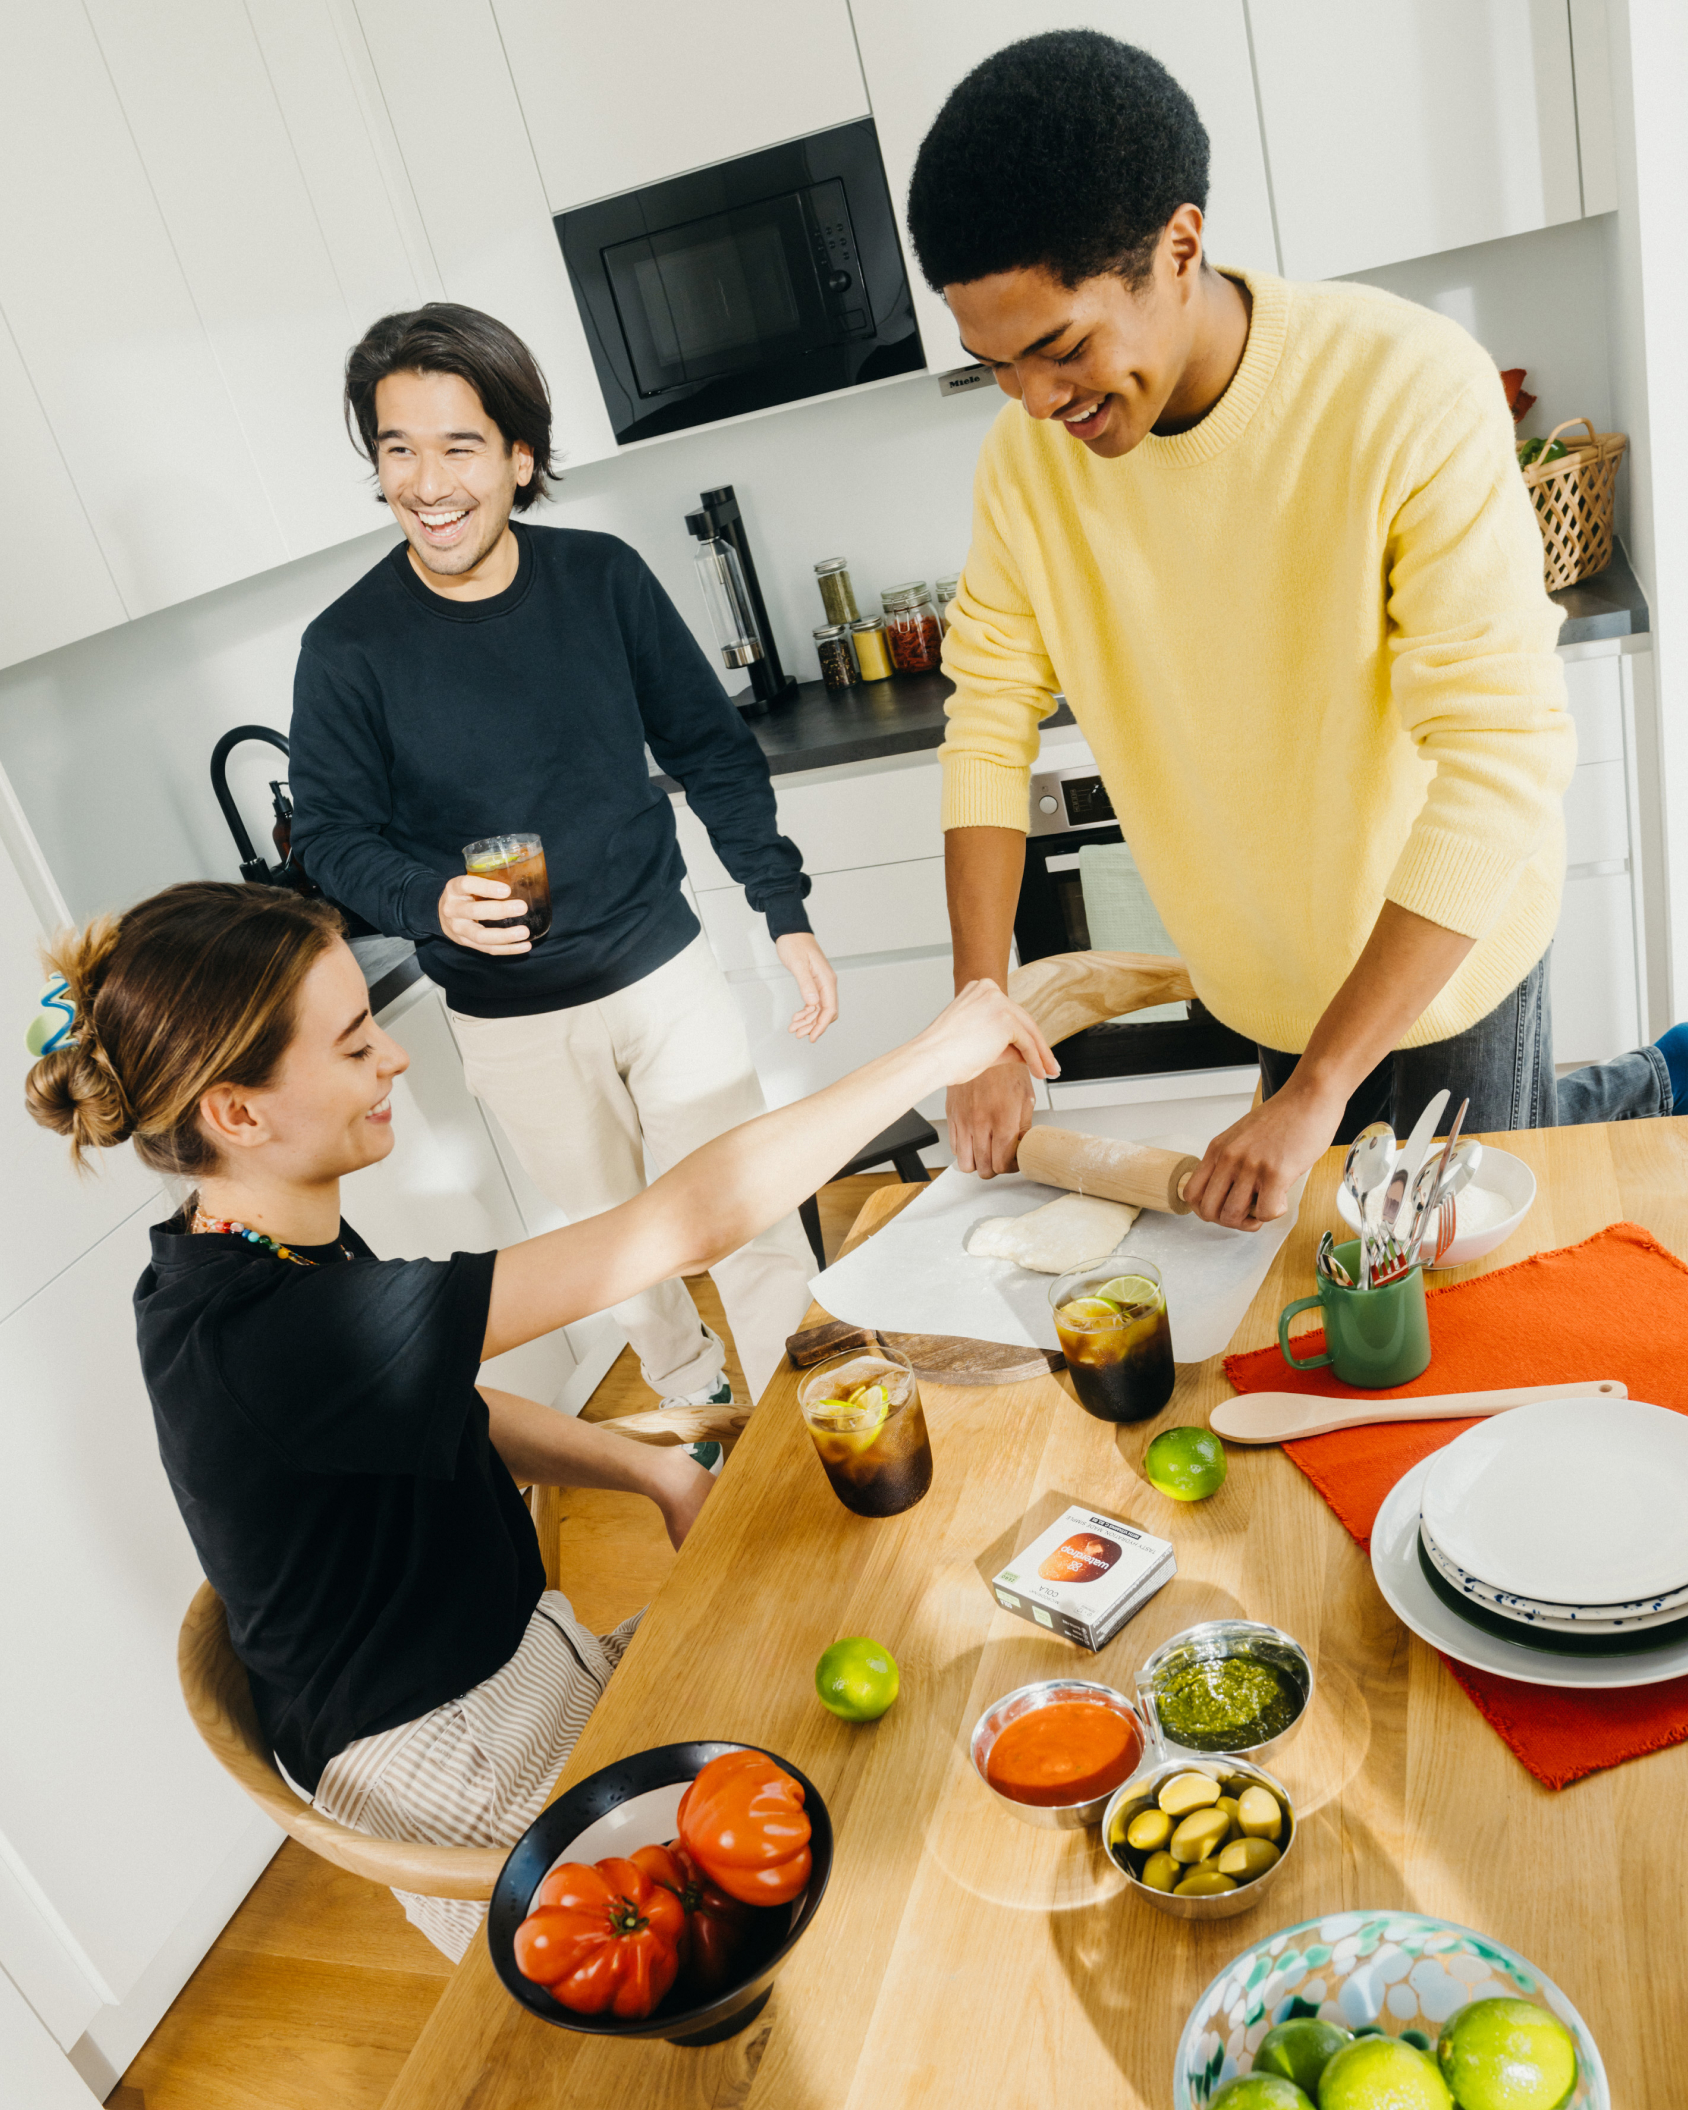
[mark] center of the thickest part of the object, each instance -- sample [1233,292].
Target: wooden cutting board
[938,1358]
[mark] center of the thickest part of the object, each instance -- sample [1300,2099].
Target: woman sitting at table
[350,1491]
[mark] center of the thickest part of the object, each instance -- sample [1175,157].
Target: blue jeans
[1504,1066]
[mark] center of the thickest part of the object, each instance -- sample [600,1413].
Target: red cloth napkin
[1615,1306]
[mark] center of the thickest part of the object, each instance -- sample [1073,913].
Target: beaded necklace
[202,1222]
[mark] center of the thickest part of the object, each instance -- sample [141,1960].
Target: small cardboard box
[1085,1576]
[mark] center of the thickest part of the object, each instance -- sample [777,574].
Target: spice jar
[838,596]
[873,655]
[947,591]
[911,629]
[838,661]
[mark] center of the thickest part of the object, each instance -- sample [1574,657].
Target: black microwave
[1069,808]
[763,280]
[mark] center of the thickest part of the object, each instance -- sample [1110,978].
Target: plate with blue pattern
[1399,1974]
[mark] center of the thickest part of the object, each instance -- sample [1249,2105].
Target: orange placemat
[1615,1306]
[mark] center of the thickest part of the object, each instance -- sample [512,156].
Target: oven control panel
[1065,799]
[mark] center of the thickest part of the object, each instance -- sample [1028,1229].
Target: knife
[1412,1157]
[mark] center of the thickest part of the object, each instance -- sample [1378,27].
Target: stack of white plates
[1553,1536]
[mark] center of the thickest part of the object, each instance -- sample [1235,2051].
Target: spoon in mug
[1370,1160]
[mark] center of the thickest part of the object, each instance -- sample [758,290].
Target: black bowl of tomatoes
[660,1896]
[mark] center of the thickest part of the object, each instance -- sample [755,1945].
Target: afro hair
[1067,152]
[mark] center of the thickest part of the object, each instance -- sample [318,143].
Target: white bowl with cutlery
[1486,1214]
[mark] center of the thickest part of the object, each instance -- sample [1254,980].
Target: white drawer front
[888,816]
[1594,688]
[1596,815]
[1595,1008]
[886,908]
[879,1007]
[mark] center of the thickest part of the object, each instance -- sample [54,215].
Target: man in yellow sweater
[1271,542]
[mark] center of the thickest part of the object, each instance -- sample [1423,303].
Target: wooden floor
[318,1987]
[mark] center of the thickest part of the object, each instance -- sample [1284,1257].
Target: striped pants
[479,1769]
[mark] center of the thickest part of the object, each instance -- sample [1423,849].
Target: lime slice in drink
[1087,1312]
[1129,1292]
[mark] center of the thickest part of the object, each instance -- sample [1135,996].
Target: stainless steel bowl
[1212,1641]
[1233,1775]
[1063,1817]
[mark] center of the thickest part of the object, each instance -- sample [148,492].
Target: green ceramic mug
[1374,1338]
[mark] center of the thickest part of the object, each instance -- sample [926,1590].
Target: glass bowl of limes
[1326,2013]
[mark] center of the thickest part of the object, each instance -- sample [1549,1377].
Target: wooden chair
[899,1145]
[219,1700]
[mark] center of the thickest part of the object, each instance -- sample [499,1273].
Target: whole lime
[1187,1464]
[1382,2073]
[1301,2049]
[1507,2055]
[857,1679]
[1261,2091]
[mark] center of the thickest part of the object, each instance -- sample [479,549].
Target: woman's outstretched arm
[712,1202]
[558,1450]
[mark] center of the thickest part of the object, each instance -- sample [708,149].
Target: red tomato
[602,1938]
[716,1924]
[742,1820]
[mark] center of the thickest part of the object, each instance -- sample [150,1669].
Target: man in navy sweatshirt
[492,678]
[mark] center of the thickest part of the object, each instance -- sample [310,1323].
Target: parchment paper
[914,1277]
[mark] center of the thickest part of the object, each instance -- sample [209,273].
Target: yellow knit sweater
[1309,645]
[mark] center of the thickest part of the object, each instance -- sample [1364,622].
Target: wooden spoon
[1280,1417]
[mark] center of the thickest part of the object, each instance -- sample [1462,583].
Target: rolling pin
[1119,1172]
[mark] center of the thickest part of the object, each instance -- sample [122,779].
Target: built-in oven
[1070,808]
[764,279]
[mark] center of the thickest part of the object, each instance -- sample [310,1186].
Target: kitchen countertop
[821,727]
[1611,604]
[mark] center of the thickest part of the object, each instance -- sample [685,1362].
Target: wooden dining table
[962,1957]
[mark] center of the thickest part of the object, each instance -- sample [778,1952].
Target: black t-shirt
[332,1461]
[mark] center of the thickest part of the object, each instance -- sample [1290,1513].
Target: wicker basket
[1573,498]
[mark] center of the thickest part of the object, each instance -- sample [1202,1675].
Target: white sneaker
[709,1455]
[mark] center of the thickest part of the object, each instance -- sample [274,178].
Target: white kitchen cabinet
[1594,979]
[876,909]
[1594,691]
[37,2073]
[866,813]
[729,82]
[448,89]
[881,1004]
[114,1819]
[1402,128]
[1597,146]
[58,585]
[201,105]
[343,142]
[109,334]
[915,51]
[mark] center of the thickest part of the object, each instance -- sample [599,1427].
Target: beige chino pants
[582,1094]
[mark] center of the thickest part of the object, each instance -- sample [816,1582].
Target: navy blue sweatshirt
[421,724]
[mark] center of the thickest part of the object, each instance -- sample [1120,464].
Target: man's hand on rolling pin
[1245,1178]
[987,1118]
[981,1029]
[801,957]
[465,907]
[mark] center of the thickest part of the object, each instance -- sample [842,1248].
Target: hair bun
[73,1090]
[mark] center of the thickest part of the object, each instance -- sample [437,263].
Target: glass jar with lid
[873,654]
[837,658]
[838,596]
[947,591]
[911,628]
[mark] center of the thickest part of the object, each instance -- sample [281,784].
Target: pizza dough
[1062,1234]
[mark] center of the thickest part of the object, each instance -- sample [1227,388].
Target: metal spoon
[1370,1160]
[1327,1264]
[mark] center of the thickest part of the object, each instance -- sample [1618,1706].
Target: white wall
[1534,300]
[108,741]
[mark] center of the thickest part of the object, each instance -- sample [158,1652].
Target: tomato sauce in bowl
[1069,1751]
